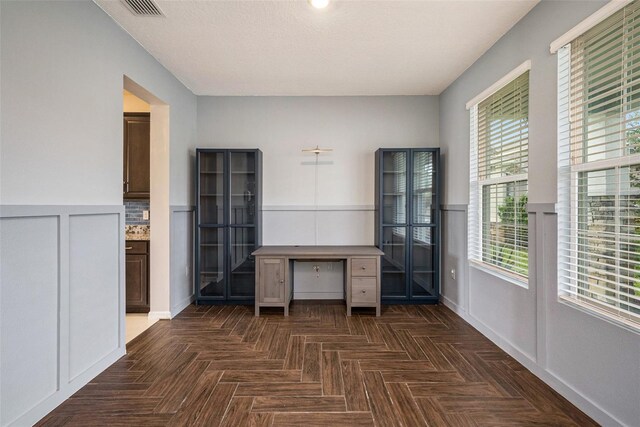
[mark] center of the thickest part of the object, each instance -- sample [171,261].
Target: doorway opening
[146,200]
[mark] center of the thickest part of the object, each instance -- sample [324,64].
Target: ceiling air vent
[143,7]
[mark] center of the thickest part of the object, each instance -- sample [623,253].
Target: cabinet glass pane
[394,187]
[242,168]
[211,279]
[211,188]
[243,265]
[423,256]
[423,191]
[394,282]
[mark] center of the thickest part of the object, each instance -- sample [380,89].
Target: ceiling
[289,48]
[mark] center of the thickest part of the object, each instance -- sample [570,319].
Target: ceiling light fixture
[319,4]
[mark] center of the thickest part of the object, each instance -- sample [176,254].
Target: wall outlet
[145,215]
[453,273]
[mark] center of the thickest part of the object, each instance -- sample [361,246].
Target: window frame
[570,205]
[476,186]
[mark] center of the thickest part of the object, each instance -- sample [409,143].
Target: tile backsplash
[133,212]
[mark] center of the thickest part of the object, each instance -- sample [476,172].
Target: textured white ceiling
[349,48]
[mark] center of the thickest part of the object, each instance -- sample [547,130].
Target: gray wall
[590,361]
[62,67]
[354,127]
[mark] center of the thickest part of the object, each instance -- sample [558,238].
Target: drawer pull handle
[364,291]
[129,247]
[364,268]
[281,281]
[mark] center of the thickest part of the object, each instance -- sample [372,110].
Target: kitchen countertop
[136,232]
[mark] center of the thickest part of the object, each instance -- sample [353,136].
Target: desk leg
[286,310]
[257,310]
[378,310]
[348,310]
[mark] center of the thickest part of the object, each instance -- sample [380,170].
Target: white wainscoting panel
[29,277]
[182,263]
[62,301]
[324,225]
[94,295]
[454,256]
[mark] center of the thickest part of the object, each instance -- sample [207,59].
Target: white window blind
[400,208]
[599,167]
[498,224]
[422,195]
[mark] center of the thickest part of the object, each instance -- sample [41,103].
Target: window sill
[594,311]
[501,274]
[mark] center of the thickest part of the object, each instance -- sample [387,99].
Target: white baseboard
[552,380]
[177,308]
[159,315]
[318,295]
[460,311]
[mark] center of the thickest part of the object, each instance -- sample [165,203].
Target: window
[498,222]
[599,168]
[400,191]
[422,195]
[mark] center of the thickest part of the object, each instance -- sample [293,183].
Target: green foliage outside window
[515,220]
[508,211]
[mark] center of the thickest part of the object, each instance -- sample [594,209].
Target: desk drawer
[364,267]
[363,290]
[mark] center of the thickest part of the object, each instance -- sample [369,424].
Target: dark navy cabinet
[229,220]
[408,224]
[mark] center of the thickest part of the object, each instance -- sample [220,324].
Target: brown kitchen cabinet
[137,276]
[136,169]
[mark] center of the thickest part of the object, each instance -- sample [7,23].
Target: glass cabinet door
[394,187]
[423,255]
[211,262]
[394,275]
[423,194]
[211,191]
[242,274]
[242,169]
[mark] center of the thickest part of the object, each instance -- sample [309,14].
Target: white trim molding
[584,26]
[159,315]
[535,208]
[454,207]
[520,69]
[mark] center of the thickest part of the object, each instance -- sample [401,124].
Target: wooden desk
[274,274]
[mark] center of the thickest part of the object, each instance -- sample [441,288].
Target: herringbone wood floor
[220,365]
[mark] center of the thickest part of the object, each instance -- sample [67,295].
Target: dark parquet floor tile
[221,366]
